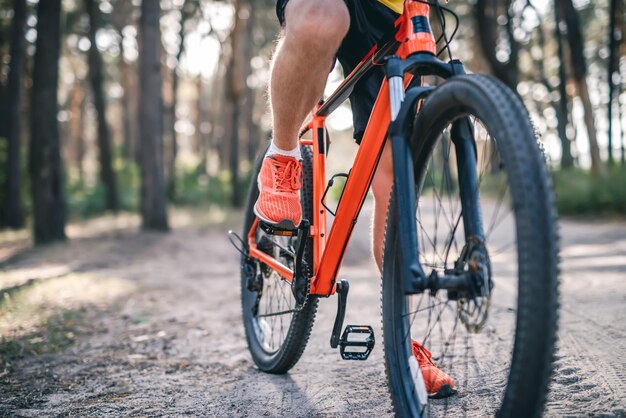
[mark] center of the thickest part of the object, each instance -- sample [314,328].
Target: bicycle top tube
[372,59]
[412,34]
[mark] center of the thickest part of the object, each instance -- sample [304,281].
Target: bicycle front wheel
[498,348]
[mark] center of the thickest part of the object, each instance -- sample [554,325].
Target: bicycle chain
[305,271]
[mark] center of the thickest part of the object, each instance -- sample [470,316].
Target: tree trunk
[621,124]
[252,131]
[153,202]
[129,148]
[235,91]
[171,181]
[187,10]
[107,175]
[200,143]
[486,13]
[218,105]
[12,212]
[77,108]
[615,39]
[562,111]
[123,16]
[579,74]
[45,164]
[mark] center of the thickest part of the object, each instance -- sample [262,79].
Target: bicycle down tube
[329,249]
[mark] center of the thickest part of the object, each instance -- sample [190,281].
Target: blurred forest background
[120,105]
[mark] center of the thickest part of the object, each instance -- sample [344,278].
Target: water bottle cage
[328,186]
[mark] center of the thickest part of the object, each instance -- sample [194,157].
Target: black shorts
[370,23]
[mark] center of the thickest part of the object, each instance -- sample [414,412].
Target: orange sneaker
[438,383]
[279,182]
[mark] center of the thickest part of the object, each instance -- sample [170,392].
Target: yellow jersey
[395,5]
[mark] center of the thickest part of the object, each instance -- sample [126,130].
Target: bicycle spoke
[502,249]
[430,329]
[495,221]
[422,309]
[452,238]
[277,305]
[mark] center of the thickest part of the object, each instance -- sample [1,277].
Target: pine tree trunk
[128,140]
[235,91]
[123,16]
[218,105]
[153,201]
[622,125]
[77,108]
[616,14]
[171,181]
[80,146]
[251,128]
[12,212]
[562,111]
[200,143]
[254,130]
[486,14]
[186,11]
[45,164]
[107,175]
[579,74]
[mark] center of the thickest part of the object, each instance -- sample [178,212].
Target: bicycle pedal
[357,342]
[277,230]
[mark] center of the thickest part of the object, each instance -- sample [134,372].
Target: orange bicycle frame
[329,247]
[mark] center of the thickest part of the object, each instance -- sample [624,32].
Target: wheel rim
[276,304]
[477,361]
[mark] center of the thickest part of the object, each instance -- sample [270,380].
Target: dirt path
[119,323]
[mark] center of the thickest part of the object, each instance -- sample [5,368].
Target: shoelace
[287,175]
[422,354]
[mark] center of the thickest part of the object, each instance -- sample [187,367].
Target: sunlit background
[153,124]
[215,56]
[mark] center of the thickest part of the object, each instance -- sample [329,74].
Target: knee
[316,26]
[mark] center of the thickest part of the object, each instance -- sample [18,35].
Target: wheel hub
[473,305]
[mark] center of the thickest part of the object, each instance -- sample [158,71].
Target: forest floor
[117,322]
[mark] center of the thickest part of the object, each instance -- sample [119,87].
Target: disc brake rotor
[473,307]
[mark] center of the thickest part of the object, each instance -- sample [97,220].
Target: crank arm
[299,285]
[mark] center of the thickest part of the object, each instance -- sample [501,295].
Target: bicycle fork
[403,106]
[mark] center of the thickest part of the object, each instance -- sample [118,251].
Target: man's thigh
[370,23]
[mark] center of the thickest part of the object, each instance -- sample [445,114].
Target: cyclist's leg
[312,34]
[381,188]
[438,383]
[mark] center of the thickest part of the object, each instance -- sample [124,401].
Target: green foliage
[580,194]
[85,201]
[194,187]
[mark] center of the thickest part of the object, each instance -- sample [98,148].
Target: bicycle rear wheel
[499,348]
[277,329]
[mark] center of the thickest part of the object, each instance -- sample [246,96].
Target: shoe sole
[286,224]
[445,391]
